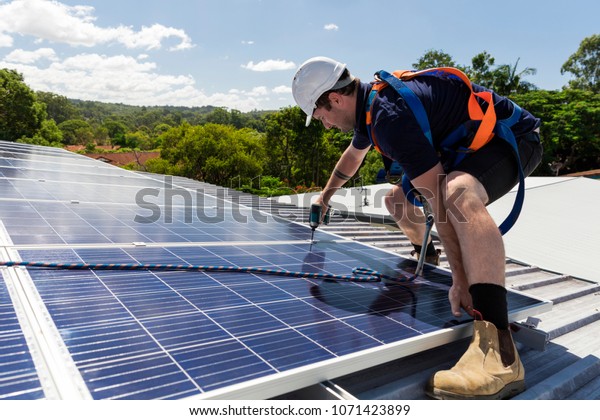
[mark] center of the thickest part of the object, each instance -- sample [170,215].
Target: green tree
[213,153]
[160,166]
[481,70]
[116,131]
[298,154]
[584,64]
[139,139]
[279,144]
[239,119]
[160,129]
[90,148]
[100,134]
[58,107]
[50,132]
[218,116]
[508,80]
[76,132]
[570,128]
[370,167]
[434,58]
[48,135]
[21,114]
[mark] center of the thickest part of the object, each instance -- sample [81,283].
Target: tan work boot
[429,259]
[480,373]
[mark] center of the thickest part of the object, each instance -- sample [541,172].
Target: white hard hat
[315,77]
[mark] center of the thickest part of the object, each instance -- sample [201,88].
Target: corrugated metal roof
[557,229]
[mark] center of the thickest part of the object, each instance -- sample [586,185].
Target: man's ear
[335,98]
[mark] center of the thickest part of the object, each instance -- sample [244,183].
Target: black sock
[429,251]
[490,301]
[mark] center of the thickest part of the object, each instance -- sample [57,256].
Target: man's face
[341,115]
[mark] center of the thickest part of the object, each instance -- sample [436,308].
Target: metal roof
[556,229]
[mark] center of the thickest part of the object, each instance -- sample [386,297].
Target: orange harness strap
[485,131]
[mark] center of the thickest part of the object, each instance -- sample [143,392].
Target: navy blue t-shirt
[400,136]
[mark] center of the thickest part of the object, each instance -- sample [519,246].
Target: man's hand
[321,201]
[324,207]
[460,297]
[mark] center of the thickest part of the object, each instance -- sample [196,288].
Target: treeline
[271,150]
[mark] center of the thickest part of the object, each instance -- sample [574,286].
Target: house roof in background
[557,229]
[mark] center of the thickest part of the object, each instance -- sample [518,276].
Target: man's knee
[401,209]
[395,200]
[463,194]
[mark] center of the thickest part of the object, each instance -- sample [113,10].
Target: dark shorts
[495,166]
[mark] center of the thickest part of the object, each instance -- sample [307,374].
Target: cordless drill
[314,219]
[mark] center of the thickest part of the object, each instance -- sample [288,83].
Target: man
[456,193]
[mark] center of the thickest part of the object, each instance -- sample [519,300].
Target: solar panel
[18,375]
[153,334]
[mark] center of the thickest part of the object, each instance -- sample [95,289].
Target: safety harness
[487,121]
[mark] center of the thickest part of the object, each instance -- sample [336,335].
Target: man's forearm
[346,167]
[336,181]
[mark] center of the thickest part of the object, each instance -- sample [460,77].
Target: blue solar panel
[18,375]
[175,334]
[191,319]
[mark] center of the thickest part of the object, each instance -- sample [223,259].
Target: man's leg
[411,220]
[490,368]
[480,240]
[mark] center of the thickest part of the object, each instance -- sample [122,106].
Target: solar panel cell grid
[18,375]
[203,309]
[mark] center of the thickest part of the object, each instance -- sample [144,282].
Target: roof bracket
[529,335]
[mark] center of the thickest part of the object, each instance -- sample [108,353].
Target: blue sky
[242,54]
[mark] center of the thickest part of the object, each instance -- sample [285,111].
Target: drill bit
[314,219]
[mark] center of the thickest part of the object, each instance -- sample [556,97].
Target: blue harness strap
[415,105]
[411,99]
[501,129]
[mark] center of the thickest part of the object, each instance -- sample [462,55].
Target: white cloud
[282,89]
[259,91]
[5,40]
[270,65]
[99,64]
[151,38]
[74,25]
[124,79]
[331,27]
[131,78]
[29,57]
